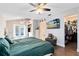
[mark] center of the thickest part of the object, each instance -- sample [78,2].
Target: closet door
[42,29]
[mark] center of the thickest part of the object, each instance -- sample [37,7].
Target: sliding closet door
[42,29]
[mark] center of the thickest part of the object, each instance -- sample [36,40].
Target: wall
[10,25]
[2,26]
[59,33]
[35,25]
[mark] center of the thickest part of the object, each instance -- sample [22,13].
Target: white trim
[48,54]
[77,50]
[62,45]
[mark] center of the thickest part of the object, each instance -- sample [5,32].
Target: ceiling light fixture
[39,8]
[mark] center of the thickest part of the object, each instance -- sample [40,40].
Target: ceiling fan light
[39,11]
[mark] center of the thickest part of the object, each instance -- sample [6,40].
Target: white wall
[2,26]
[35,25]
[59,33]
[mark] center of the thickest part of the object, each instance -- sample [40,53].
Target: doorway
[70,34]
[29,30]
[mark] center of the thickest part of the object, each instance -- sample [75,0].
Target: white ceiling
[15,10]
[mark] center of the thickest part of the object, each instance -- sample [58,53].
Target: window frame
[20,26]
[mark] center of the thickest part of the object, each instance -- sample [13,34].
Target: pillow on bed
[10,42]
[4,47]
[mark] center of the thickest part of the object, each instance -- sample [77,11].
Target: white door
[42,29]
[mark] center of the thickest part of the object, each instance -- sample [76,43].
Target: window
[20,31]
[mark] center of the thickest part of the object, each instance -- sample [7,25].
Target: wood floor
[69,50]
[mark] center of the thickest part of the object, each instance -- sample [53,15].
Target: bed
[30,47]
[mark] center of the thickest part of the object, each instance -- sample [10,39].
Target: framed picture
[53,24]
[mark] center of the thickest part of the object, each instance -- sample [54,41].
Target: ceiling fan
[39,7]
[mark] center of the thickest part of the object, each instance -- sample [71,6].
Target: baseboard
[61,45]
[48,54]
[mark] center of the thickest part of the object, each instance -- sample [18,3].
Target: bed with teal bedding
[31,47]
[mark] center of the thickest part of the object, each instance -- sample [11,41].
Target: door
[71,32]
[42,29]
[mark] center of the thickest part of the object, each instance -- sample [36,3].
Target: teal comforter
[31,47]
[26,47]
[4,47]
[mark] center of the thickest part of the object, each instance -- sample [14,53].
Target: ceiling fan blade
[33,10]
[39,3]
[44,4]
[32,4]
[46,9]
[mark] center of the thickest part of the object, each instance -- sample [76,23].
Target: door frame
[77,32]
